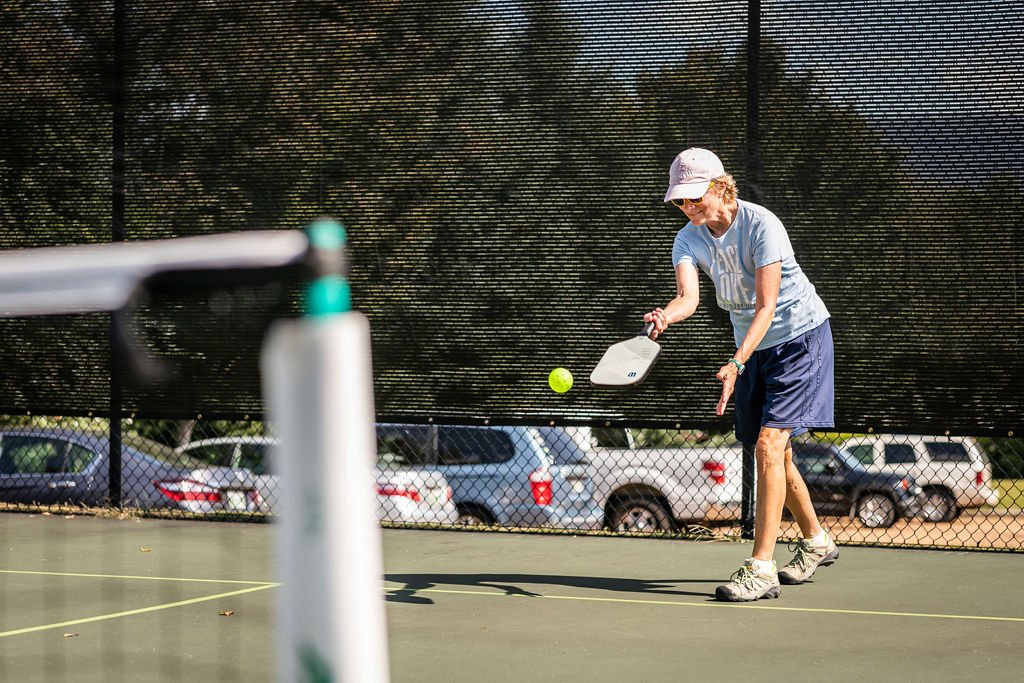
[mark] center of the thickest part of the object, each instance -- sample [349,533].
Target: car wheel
[939,506]
[471,515]
[876,511]
[640,515]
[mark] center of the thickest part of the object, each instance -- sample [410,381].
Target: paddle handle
[648,328]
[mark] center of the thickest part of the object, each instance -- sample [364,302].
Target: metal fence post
[753,132]
[116,86]
[747,499]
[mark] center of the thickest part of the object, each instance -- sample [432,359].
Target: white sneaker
[749,584]
[807,559]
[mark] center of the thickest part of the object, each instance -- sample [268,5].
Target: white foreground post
[319,394]
[318,391]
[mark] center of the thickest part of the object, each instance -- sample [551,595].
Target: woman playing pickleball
[781,373]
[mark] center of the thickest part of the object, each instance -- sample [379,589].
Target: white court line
[774,608]
[253,586]
[139,578]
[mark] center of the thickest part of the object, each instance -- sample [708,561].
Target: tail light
[715,471]
[188,490]
[409,492]
[448,493]
[540,486]
[979,478]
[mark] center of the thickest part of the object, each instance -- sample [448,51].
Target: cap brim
[688,190]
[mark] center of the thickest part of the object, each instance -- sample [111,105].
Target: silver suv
[511,476]
[953,471]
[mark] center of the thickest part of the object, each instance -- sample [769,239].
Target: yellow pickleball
[560,380]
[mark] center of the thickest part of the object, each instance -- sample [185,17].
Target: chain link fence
[881,489]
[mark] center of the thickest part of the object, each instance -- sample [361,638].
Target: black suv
[839,485]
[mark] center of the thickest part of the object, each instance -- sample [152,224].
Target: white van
[953,471]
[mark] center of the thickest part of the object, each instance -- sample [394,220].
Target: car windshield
[244,453]
[611,437]
[214,454]
[561,446]
[399,446]
[849,459]
[815,457]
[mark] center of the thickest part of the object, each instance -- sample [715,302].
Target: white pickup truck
[659,489]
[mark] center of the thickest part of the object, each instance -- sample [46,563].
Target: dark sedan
[48,466]
[839,485]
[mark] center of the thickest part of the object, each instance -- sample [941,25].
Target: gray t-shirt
[755,239]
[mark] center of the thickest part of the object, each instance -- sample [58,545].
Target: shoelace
[801,550]
[744,576]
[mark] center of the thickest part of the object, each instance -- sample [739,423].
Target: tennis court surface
[469,606]
[94,599]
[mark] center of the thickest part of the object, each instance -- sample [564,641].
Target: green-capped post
[329,292]
[328,295]
[318,379]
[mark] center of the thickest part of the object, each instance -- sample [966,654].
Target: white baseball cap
[691,173]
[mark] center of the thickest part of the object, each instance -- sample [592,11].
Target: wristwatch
[740,367]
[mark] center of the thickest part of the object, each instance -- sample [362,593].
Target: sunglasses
[682,202]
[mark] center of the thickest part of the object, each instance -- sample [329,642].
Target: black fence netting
[501,167]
